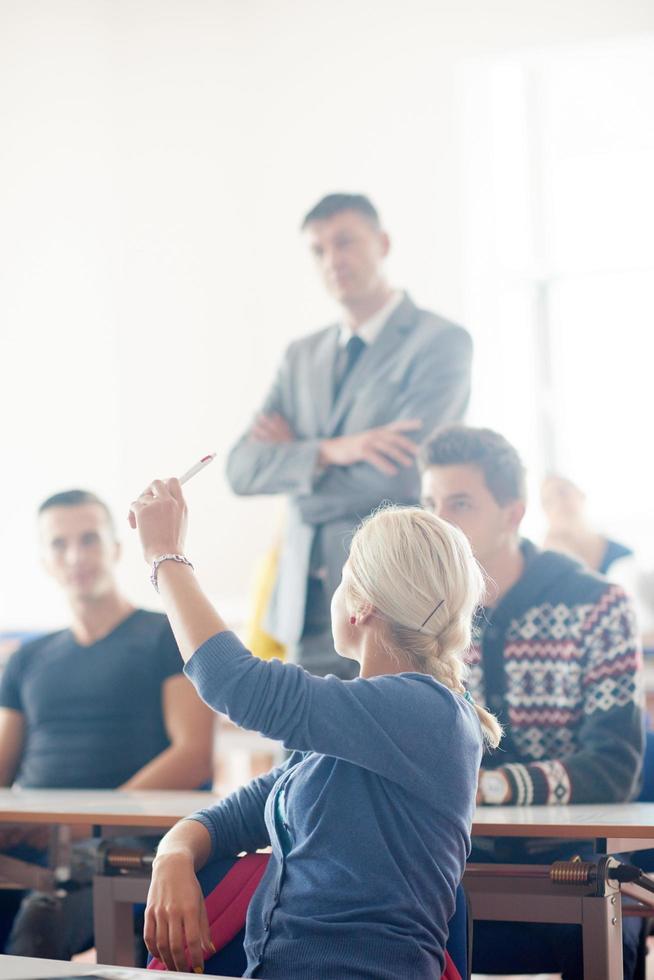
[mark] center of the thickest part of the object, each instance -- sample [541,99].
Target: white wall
[156,158]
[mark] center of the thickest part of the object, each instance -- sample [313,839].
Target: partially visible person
[556,656]
[641,584]
[570,532]
[258,640]
[638,583]
[369,818]
[569,529]
[337,432]
[101,705]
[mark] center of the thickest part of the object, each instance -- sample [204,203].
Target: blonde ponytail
[490,726]
[420,576]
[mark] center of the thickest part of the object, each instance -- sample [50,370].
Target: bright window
[560,258]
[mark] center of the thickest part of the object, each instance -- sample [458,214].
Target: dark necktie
[346,361]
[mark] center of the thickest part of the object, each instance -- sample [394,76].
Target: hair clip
[434,610]
[468,696]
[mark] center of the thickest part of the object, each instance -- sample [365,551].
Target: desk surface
[27,968]
[615,820]
[158,808]
[143,808]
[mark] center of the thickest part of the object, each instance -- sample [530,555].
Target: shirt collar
[372,327]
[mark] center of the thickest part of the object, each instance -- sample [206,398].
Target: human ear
[515,513]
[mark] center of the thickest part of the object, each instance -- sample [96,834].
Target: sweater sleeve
[363,721]
[237,823]
[606,768]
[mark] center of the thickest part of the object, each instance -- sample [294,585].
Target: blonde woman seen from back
[400,559]
[369,819]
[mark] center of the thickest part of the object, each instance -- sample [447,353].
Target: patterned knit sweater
[558,661]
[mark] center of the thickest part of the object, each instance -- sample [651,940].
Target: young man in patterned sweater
[556,658]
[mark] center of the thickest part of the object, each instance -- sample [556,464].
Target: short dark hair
[460,445]
[333,204]
[74,498]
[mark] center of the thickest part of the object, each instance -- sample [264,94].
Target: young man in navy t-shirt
[101,705]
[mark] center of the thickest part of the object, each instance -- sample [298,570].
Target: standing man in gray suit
[338,430]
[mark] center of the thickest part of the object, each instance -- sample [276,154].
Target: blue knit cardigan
[378,799]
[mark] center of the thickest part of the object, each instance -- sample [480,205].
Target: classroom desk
[508,892]
[111,813]
[28,968]
[138,810]
[522,893]
[614,826]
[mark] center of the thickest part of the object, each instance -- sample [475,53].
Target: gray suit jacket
[418,367]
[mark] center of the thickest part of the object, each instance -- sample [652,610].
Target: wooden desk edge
[565,831]
[155,821]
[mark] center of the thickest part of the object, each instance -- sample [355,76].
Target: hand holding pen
[160,514]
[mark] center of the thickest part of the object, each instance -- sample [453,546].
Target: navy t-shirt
[94,714]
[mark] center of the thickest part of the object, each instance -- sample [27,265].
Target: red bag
[227,904]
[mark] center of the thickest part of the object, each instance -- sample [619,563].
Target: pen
[197,467]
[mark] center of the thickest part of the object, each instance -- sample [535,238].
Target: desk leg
[113,916]
[524,893]
[602,937]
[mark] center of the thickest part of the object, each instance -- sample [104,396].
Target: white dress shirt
[372,327]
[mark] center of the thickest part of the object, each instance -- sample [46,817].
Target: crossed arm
[271,458]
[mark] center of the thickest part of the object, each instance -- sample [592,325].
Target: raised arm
[362,721]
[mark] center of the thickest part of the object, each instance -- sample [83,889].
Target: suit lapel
[374,357]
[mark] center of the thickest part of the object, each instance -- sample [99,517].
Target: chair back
[457,951]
